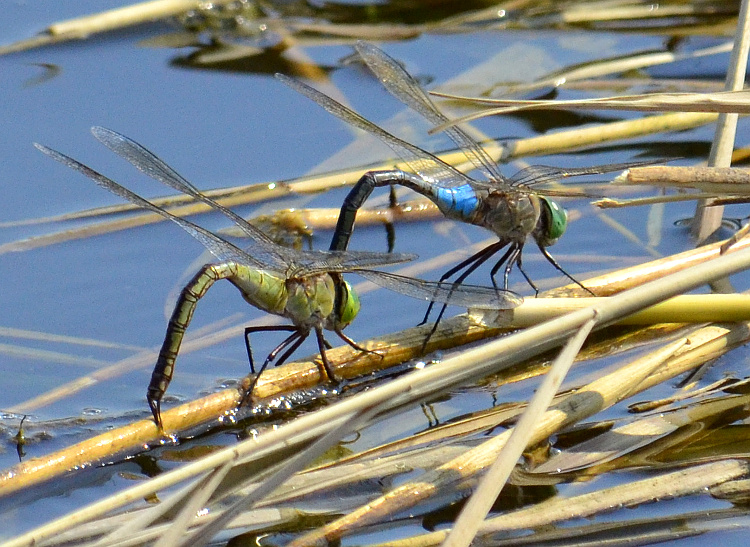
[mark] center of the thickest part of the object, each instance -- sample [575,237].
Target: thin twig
[476,509]
[708,219]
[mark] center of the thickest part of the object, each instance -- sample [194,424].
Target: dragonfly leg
[250,330]
[519,262]
[498,264]
[479,258]
[559,268]
[353,344]
[326,363]
[473,262]
[433,329]
[290,344]
[514,258]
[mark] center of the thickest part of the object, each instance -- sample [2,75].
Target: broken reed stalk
[672,360]
[396,349]
[471,365]
[705,308]
[480,502]
[620,280]
[664,486]
[325,219]
[298,375]
[725,180]
[146,489]
[585,402]
[596,135]
[707,218]
[546,144]
[126,16]
[558,509]
[719,102]
[82,27]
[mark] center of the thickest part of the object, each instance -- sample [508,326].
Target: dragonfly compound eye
[348,305]
[556,220]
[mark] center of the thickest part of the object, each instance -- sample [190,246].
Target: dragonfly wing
[262,247]
[405,88]
[221,249]
[468,296]
[540,174]
[345,261]
[431,168]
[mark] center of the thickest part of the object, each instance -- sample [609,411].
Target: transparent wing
[221,249]
[432,169]
[468,296]
[540,174]
[345,261]
[405,88]
[261,246]
[265,251]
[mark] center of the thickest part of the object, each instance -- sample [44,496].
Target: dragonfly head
[347,304]
[554,221]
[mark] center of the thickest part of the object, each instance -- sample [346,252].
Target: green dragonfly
[306,287]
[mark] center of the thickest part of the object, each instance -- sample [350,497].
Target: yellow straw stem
[698,308]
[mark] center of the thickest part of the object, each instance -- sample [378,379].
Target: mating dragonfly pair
[307,287]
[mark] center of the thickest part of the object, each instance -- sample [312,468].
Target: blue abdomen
[460,201]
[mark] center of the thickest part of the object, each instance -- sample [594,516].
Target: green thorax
[261,288]
[314,300]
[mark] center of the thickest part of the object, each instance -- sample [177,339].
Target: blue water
[222,128]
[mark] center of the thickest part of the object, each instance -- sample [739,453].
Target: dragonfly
[509,207]
[305,287]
